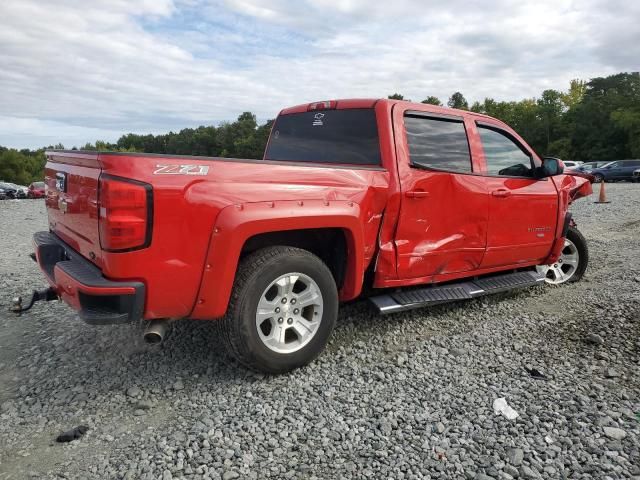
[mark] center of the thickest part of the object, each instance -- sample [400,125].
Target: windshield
[328,136]
[38,184]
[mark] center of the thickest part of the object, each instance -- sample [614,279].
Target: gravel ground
[404,396]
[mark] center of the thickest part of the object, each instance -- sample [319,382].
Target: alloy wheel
[289,312]
[566,266]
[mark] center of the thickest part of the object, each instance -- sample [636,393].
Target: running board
[410,299]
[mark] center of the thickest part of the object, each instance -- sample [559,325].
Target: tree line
[594,120]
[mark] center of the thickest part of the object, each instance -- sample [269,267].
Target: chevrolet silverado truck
[409,204]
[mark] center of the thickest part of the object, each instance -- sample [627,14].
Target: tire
[269,277]
[563,271]
[598,177]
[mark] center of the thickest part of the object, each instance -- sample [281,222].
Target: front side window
[438,143]
[504,157]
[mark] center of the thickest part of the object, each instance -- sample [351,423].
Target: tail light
[126,213]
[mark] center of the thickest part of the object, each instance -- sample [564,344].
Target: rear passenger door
[442,225]
[523,210]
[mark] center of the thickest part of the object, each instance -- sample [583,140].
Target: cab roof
[346,103]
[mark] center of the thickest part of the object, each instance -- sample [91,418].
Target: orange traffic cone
[602,198]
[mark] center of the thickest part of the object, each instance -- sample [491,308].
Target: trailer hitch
[47,295]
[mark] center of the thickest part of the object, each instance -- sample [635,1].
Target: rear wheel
[572,263]
[282,311]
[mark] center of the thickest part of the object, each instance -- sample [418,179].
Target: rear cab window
[344,137]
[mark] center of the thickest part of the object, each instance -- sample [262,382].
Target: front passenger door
[523,210]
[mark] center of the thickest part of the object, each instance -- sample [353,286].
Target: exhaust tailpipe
[156,331]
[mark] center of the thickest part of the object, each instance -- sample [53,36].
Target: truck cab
[413,204]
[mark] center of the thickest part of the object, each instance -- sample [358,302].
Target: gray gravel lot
[404,396]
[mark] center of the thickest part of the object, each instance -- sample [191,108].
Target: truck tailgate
[72,200]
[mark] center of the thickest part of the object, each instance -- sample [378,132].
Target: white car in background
[568,164]
[571,164]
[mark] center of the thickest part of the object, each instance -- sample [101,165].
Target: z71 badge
[181,170]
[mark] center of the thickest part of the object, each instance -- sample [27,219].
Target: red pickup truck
[413,204]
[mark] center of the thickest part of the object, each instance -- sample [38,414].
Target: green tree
[431,100]
[397,96]
[21,168]
[575,93]
[457,100]
[629,122]
[550,110]
[599,133]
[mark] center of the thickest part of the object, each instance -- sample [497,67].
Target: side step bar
[422,297]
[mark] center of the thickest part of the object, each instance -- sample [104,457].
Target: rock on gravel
[615,433]
[178,385]
[405,396]
[134,392]
[594,339]
[515,456]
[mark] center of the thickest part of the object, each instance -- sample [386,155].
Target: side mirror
[550,167]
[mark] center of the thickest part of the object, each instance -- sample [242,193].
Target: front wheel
[572,263]
[282,310]
[598,177]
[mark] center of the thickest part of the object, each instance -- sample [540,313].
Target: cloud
[94,70]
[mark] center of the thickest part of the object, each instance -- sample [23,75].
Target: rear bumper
[79,283]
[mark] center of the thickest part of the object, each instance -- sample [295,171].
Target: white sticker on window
[317,122]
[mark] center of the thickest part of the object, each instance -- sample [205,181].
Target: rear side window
[503,155]
[438,143]
[327,136]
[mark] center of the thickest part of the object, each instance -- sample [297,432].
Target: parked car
[383,196]
[568,164]
[36,190]
[616,170]
[10,191]
[590,165]
[21,191]
[571,164]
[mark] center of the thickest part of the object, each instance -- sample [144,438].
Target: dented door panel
[444,231]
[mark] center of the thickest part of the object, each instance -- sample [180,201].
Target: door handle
[501,193]
[416,194]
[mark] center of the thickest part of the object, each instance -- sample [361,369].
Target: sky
[73,71]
